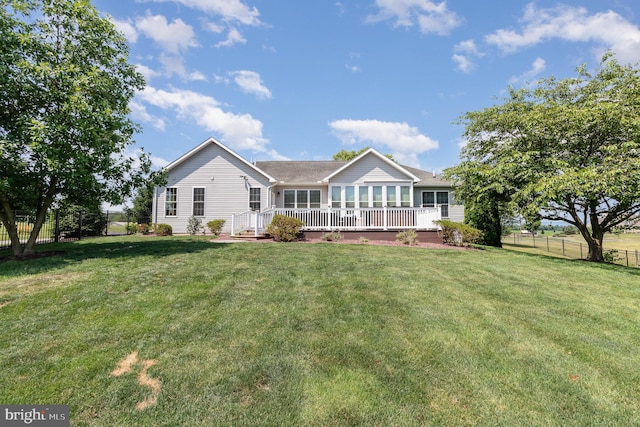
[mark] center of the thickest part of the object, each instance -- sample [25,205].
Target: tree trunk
[595,250]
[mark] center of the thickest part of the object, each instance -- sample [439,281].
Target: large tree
[65,87]
[566,149]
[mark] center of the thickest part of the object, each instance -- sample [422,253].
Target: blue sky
[301,80]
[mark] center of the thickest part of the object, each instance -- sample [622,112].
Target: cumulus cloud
[174,37]
[528,77]
[463,54]
[139,112]
[608,29]
[233,37]
[250,82]
[127,28]
[405,142]
[428,15]
[228,10]
[240,131]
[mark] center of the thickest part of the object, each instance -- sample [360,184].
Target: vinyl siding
[226,191]
[370,169]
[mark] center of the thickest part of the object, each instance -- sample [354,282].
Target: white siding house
[370,192]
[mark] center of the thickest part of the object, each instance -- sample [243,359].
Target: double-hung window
[377,196]
[336,197]
[171,202]
[254,198]
[363,198]
[302,199]
[198,201]
[391,196]
[442,199]
[405,196]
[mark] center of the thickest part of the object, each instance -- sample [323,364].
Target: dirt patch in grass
[28,285]
[125,366]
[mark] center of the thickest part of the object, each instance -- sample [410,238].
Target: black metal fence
[572,249]
[56,227]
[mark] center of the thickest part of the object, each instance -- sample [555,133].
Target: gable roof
[381,157]
[213,141]
[300,172]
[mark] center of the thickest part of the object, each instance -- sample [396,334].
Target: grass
[319,335]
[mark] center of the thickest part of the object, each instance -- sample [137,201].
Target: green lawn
[318,335]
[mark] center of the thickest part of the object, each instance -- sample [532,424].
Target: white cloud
[158,162]
[609,29]
[196,76]
[404,141]
[537,67]
[353,68]
[463,53]
[174,37]
[430,16]
[139,112]
[240,131]
[234,37]
[147,72]
[228,10]
[250,82]
[127,28]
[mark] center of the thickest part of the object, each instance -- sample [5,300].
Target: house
[370,192]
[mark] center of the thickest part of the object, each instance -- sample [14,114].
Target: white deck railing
[384,218]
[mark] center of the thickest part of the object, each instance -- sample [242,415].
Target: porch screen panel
[302,201]
[377,196]
[171,202]
[289,199]
[350,196]
[391,196]
[442,198]
[336,197]
[198,202]
[405,196]
[314,199]
[363,196]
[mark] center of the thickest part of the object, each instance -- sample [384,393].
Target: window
[171,202]
[431,199]
[314,199]
[363,196]
[301,199]
[350,196]
[336,197]
[428,199]
[198,201]
[254,198]
[442,199]
[405,196]
[391,196]
[377,196]
[289,199]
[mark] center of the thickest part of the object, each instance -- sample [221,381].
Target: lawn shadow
[62,254]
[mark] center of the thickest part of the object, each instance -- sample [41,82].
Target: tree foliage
[566,150]
[346,155]
[65,87]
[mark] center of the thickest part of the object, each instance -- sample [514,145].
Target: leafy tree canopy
[346,155]
[65,87]
[565,150]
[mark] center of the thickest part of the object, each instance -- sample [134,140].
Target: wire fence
[56,227]
[572,249]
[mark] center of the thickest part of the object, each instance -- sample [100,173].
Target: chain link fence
[572,249]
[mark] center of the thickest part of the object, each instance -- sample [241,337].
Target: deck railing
[384,218]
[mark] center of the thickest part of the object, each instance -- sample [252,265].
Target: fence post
[56,232]
[626,253]
[636,257]
[580,250]
[534,238]
[80,225]
[562,247]
[106,225]
[547,243]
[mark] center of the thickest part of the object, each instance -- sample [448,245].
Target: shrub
[333,236]
[284,228]
[216,225]
[131,227]
[611,256]
[142,228]
[163,230]
[193,225]
[363,239]
[458,234]
[408,237]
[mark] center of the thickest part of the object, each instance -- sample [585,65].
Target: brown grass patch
[125,366]
[28,285]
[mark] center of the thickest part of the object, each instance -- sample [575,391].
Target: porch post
[255,221]
[233,224]
[384,210]
[329,216]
